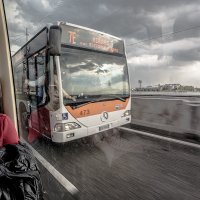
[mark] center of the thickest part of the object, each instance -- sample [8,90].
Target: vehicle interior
[6,76]
[156,155]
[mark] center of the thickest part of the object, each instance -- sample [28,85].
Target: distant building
[168,88]
[189,88]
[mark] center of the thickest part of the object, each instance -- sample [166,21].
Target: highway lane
[121,165]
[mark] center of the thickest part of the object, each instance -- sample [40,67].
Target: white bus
[71,82]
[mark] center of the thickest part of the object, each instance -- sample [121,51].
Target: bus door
[37,94]
[42,96]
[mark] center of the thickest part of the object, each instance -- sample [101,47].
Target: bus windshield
[87,74]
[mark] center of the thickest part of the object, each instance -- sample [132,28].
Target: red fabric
[40,123]
[8,133]
[32,135]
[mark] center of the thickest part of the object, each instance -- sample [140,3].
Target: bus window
[31,80]
[40,77]
[22,67]
[36,79]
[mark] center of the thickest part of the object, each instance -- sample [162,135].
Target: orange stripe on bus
[97,108]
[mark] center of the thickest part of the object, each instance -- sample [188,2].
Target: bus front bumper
[62,137]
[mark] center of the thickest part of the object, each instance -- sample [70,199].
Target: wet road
[118,165]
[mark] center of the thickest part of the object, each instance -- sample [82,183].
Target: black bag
[19,174]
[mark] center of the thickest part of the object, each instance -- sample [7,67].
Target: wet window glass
[108,96]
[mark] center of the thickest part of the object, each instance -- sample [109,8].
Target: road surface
[120,165]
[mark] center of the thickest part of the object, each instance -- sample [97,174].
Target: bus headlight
[66,126]
[71,126]
[126,113]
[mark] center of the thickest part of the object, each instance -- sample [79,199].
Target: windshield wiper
[110,97]
[88,102]
[113,96]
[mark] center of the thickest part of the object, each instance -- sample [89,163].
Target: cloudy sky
[162,36]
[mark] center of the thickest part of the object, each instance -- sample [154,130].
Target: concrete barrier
[173,115]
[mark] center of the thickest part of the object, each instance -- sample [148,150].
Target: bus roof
[59,23]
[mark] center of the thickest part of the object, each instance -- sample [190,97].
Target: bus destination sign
[84,38]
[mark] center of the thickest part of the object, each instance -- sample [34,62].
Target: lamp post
[140,83]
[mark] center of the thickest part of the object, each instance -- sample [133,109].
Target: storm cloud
[161,36]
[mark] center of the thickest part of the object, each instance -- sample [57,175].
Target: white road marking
[56,174]
[161,137]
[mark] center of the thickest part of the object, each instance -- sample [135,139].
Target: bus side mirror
[55,40]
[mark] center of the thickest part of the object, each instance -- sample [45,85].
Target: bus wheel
[24,122]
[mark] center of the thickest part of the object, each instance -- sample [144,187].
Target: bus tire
[23,121]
